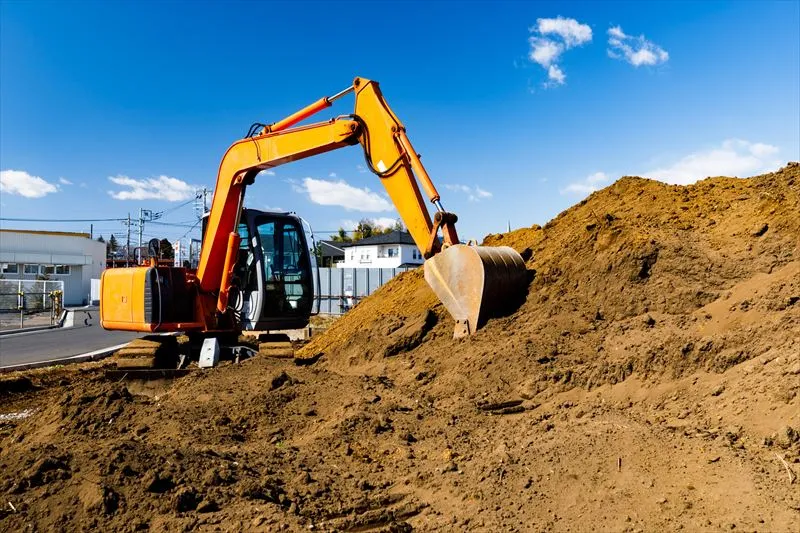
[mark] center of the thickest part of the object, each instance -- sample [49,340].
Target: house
[388,250]
[73,258]
[330,253]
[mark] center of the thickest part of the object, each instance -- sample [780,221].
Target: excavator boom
[470,281]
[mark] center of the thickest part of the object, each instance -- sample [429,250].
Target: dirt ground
[649,382]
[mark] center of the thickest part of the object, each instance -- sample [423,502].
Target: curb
[96,355]
[32,329]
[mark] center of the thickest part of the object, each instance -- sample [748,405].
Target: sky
[519,109]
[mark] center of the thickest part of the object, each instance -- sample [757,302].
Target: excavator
[255,268]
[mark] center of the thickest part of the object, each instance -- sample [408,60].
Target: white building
[389,250]
[73,258]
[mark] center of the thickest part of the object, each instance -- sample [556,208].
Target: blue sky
[519,109]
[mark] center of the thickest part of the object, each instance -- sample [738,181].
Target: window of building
[10,268]
[62,270]
[49,269]
[31,269]
[391,252]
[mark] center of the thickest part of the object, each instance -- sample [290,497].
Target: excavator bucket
[476,282]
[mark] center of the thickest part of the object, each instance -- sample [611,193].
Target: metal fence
[30,295]
[339,289]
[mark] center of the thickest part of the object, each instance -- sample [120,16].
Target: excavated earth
[649,382]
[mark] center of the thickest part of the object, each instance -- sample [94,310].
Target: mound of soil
[648,382]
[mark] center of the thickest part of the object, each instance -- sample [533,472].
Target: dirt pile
[649,382]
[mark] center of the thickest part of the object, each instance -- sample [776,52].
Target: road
[60,342]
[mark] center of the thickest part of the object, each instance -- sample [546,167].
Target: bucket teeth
[476,282]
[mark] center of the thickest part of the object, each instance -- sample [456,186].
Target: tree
[101,239]
[341,236]
[165,249]
[398,225]
[365,229]
[113,245]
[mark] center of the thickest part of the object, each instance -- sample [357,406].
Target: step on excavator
[255,268]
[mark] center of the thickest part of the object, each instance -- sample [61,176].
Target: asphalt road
[60,342]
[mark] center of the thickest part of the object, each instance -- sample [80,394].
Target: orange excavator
[255,268]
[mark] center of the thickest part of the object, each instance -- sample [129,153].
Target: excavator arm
[387,150]
[462,276]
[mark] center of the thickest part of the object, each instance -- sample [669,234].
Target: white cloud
[361,168]
[267,172]
[551,37]
[382,222]
[21,183]
[332,175]
[474,194]
[64,181]
[734,157]
[556,75]
[342,194]
[589,184]
[544,51]
[637,51]
[160,188]
[570,30]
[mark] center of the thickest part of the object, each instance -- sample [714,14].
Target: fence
[342,288]
[31,295]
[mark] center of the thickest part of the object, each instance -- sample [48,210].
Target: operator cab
[273,273]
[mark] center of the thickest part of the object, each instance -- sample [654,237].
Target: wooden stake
[786,466]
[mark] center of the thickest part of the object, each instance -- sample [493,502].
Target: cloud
[474,194]
[332,175]
[734,157]
[361,169]
[64,181]
[382,222]
[637,51]
[342,194]
[551,37]
[588,185]
[570,30]
[21,183]
[556,75]
[267,172]
[160,188]
[544,51]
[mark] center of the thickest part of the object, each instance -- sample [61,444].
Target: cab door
[246,275]
[286,279]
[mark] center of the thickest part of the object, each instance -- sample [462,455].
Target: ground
[648,382]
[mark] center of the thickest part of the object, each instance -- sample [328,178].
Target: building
[74,258]
[330,253]
[388,250]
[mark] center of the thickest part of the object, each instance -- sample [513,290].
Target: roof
[393,237]
[331,248]
[56,233]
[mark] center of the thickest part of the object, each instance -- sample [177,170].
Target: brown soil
[648,383]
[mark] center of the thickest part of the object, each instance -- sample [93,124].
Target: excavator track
[149,352]
[166,352]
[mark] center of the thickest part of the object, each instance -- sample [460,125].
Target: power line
[176,224]
[63,219]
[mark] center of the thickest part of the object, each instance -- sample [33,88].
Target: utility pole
[128,244]
[141,226]
[91,231]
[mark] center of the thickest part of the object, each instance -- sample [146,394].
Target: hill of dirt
[648,382]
